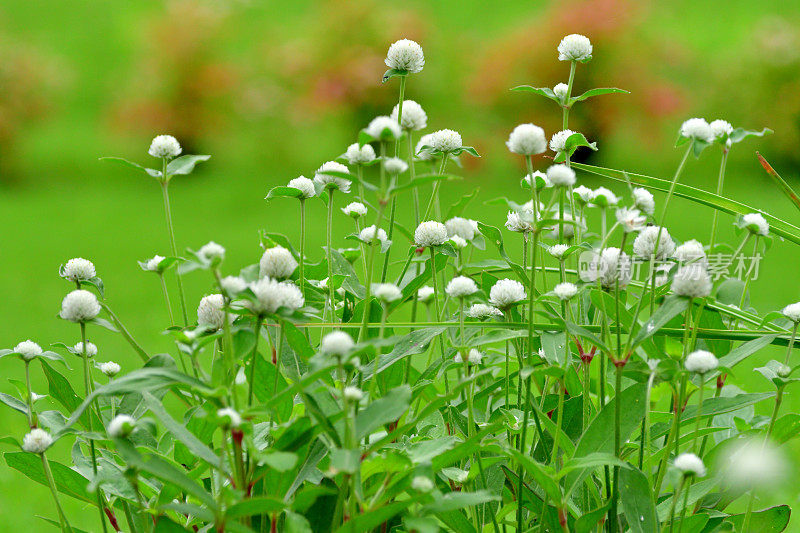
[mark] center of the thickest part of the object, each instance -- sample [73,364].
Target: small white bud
[37,441]
[277,262]
[110,368]
[690,465]
[304,185]
[701,362]
[28,350]
[461,287]
[121,426]
[229,418]
[337,343]
[527,139]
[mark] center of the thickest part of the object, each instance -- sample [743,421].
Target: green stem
[166,298]
[171,231]
[699,413]
[328,243]
[674,502]
[253,360]
[303,245]
[62,517]
[29,395]
[370,264]
[720,181]
[87,382]
[566,106]
[435,192]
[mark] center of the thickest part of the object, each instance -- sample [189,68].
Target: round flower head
[692,281]
[79,306]
[445,140]
[690,252]
[756,224]
[337,343]
[91,349]
[422,484]
[422,153]
[430,233]
[565,291]
[582,194]
[753,464]
[387,292]
[414,117]
[152,264]
[480,311]
[405,55]
[462,227]
[355,210]
[232,285]
[630,219]
[506,292]
[425,293]
[475,357]
[701,361]
[212,252]
[645,243]
[277,262]
[395,165]
[527,139]
[28,350]
[37,441]
[609,267]
[109,368]
[643,199]
[792,312]
[517,222]
[558,250]
[272,294]
[367,234]
[121,426]
[558,143]
[721,128]
[561,90]
[461,287]
[328,176]
[603,197]
[384,128]
[229,417]
[352,394]
[165,146]
[690,465]
[697,129]
[575,47]
[458,242]
[210,312]
[359,155]
[538,177]
[304,185]
[561,176]
[78,269]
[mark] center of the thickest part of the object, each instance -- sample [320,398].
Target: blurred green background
[273,89]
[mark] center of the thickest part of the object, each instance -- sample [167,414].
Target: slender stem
[413,174]
[166,297]
[253,360]
[303,245]
[699,413]
[171,231]
[720,181]
[374,382]
[435,193]
[29,395]
[328,242]
[62,517]
[566,106]
[368,286]
[675,501]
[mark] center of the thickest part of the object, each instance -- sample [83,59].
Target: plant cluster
[566,374]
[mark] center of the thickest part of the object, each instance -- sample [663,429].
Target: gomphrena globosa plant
[563,371]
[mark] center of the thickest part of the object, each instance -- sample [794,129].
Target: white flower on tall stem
[565,291]
[756,224]
[721,129]
[414,117]
[430,233]
[461,287]
[384,129]
[445,140]
[211,312]
[518,223]
[561,90]
[153,264]
[277,262]
[232,285]
[212,252]
[690,465]
[387,292]
[91,349]
[355,210]
[360,155]
[405,55]
[792,312]
[643,199]
[165,147]
[575,47]
[538,177]
[28,350]
[423,153]
[37,441]
[690,252]
[271,294]
[506,292]
[561,176]
[304,185]
[481,311]
[329,176]
[558,250]
[121,426]
[367,235]
[109,368]
[701,362]
[462,227]
[229,417]
[527,139]
[79,306]
[337,343]
[583,195]
[692,281]
[630,219]
[394,166]
[603,197]
[558,143]
[352,394]
[425,294]
[609,266]
[645,243]
[78,269]
[697,129]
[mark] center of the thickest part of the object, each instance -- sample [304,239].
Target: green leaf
[383,411]
[185,164]
[542,474]
[452,501]
[68,481]
[14,403]
[493,234]
[414,343]
[283,192]
[369,520]
[547,92]
[597,92]
[391,73]
[724,404]
[636,497]
[150,171]
[256,505]
[740,134]
[423,179]
[573,142]
[672,307]
[457,208]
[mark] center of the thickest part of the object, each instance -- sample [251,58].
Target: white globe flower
[753,464]
[211,312]
[430,233]
[690,465]
[690,252]
[79,306]
[37,441]
[506,292]
[458,242]
[603,197]
[384,128]
[462,227]
[461,287]
[721,128]
[121,426]
[645,243]
[414,117]
[272,294]
[355,210]
[692,281]
[109,368]
[422,484]
[78,269]
[561,176]
[697,129]
[643,199]
[165,146]
[232,285]
[445,140]
[28,350]
[406,55]
[792,312]
[475,357]
[538,177]
[304,185]
[152,264]
[367,235]
[561,90]
[756,224]
[337,343]
[422,153]
[558,143]
[91,349]
[558,250]
[229,417]
[277,262]
[425,293]
[481,311]
[212,252]
[701,361]
[328,176]
[527,139]
[519,223]
[387,292]
[582,194]
[565,291]
[609,266]
[352,394]
[395,165]
[360,155]
[630,219]
[575,47]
